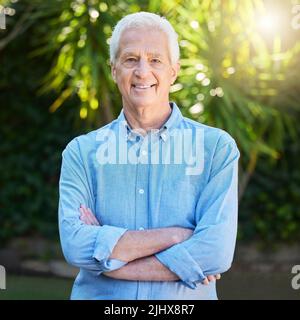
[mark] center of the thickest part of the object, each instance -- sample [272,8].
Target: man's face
[143,70]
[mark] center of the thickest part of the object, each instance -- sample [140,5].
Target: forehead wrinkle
[135,53]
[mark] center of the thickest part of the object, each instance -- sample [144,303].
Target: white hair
[140,20]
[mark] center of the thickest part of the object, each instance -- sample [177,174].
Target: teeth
[142,87]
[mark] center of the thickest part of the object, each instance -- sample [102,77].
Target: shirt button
[141,191]
[144,153]
[141,228]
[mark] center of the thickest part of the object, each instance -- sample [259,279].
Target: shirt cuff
[106,240]
[179,261]
[111,264]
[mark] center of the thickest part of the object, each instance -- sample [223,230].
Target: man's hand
[183,234]
[210,278]
[87,216]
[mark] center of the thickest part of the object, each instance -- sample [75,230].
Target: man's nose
[142,69]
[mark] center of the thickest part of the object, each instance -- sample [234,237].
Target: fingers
[93,217]
[210,278]
[87,216]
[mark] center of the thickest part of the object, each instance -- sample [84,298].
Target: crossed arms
[137,248]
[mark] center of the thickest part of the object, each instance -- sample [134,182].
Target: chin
[142,102]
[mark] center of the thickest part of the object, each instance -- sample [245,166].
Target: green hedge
[32,140]
[30,165]
[270,210]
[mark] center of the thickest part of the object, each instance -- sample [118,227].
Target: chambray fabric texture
[135,182]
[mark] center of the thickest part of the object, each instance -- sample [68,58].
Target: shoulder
[88,141]
[212,136]
[219,145]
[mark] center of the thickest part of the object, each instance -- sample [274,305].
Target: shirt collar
[164,132]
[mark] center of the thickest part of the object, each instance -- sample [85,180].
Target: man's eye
[131,59]
[156,60]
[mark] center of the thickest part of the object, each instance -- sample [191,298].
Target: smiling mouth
[143,87]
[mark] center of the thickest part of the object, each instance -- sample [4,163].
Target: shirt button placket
[142,209]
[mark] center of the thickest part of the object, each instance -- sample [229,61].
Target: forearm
[138,244]
[144,269]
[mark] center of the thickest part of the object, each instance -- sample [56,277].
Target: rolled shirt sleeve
[209,251]
[84,246]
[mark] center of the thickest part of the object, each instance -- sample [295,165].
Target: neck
[146,119]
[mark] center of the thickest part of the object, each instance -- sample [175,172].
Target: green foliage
[270,210]
[55,83]
[31,144]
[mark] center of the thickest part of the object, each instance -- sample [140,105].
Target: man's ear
[175,71]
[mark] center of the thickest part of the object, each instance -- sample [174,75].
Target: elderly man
[148,203]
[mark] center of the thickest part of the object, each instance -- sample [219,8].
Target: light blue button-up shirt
[182,175]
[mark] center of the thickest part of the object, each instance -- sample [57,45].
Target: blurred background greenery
[239,71]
